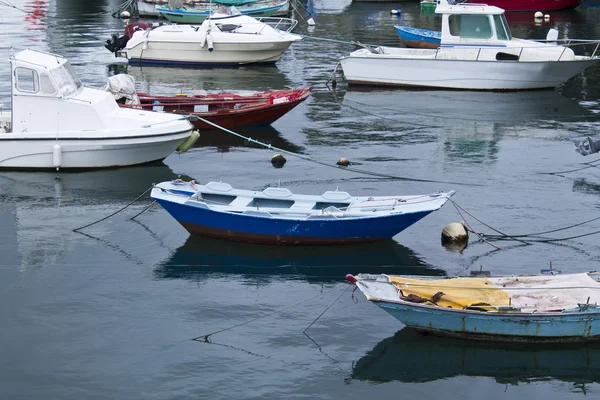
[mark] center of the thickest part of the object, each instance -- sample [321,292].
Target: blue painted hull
[418,38]
[257,229]
[516,327]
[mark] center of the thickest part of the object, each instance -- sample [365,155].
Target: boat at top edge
[531,5]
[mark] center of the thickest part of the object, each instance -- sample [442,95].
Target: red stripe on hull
[201,230]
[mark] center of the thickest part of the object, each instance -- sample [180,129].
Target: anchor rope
[590,164]
[114,213]
[324,311]
[205,338]
[534,236]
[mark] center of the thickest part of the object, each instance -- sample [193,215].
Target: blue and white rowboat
[277,216]
[556,308]
[418,38]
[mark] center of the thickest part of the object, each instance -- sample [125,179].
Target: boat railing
[564,43]
[282,24]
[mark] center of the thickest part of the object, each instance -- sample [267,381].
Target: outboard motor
[116,43]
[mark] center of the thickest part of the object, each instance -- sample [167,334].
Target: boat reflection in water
[170,81]
[223,141]
[411,357]
[200,258]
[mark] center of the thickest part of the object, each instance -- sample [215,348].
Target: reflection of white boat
[222,39]
[56,122]
[477,52]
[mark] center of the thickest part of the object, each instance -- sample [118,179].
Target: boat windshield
[470,26]
[502,29]
[66,80]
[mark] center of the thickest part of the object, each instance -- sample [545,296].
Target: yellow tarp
[458,292]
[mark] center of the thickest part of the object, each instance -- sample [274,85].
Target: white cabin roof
[39,58]
[467,8]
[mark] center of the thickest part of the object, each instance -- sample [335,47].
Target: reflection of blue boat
[278,216]
[555,308]
[418,38]
[201,258]
[411,357]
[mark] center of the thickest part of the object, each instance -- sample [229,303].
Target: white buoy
[310,22]
[125,14]
[209,42]
[454,232]
[547,17]
[396,11]
[57,156]
[538,15]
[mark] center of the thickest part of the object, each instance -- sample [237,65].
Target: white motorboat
[56,122]
[223,39]
[477,52]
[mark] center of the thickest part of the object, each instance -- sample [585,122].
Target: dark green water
[110,314]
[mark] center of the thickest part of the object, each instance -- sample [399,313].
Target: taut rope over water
[206,338]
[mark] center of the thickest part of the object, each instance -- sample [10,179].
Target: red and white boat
[228,110]
[531,5]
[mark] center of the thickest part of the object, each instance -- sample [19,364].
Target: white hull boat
[396,67]
[56,122]
[477,52]
[220,40]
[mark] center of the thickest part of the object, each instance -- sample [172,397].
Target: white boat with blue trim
[278,216]
[550,308]
[477,52]
[56,122]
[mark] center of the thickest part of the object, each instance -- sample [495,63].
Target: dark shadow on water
[200,257]
[411,357]
[266,134]
[582,185]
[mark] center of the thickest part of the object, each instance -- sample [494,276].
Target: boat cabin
[44,87]
[470,23]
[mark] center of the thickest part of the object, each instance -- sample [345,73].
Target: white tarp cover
[122,86]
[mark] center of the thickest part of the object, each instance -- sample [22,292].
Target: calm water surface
[110,313]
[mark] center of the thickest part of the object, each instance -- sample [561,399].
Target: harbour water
[110,312]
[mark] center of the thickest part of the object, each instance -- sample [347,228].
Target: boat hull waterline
[85,153]
[460,74]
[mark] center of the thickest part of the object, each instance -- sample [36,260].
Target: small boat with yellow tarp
[551,308]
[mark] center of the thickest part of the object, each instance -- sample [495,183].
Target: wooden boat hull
[364,68]
[253,229]
[277,216]
[505,327]
[508,309]
[233,111]
[418,38]
[532,5]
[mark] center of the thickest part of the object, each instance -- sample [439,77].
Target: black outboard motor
[116,43]
[588,146]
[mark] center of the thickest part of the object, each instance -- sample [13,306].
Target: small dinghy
[551,308]
[56,122]
[200,11]
[227,110]
[278,216]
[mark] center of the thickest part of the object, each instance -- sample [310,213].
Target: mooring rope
[308,158]
[116,212]
[205,338]
[531,237]
[324,311]
[590,164]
